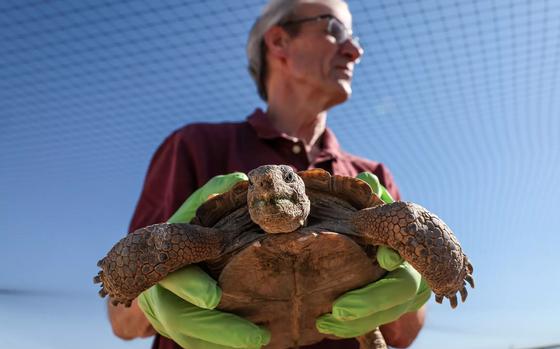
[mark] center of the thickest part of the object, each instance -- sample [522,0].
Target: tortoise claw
[116,301]
[103,293]
[470,267]
[439,299]
[453,301]
[470,280]
[464,294]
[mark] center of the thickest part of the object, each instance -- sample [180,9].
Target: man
[302,57]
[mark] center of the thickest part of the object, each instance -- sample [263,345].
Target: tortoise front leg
[144,257]
[423,240]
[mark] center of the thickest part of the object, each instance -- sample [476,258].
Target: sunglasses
[335,28]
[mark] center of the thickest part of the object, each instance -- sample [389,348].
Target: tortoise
[284,245]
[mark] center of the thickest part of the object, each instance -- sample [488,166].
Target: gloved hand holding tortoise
[284,246]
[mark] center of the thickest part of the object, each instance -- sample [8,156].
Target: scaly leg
[144,257]
[423,240]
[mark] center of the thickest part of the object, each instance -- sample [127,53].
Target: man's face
[315,61]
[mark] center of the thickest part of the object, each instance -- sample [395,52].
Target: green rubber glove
[181,306]
[376,186]
[402,290]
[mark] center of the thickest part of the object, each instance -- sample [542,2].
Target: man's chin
[346,85]
[342,92]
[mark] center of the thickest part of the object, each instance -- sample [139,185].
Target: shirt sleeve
[169,181]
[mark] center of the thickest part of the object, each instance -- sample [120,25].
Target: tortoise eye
[289,177]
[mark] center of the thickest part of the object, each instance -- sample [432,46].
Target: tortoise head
[276,199]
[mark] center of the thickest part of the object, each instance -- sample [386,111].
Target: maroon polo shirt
[192,155]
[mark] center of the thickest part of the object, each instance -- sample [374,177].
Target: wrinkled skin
[276,199]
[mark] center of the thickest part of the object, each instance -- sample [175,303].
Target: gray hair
[272,14]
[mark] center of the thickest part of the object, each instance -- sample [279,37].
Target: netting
[459,98]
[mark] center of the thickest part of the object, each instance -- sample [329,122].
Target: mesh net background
[459,98]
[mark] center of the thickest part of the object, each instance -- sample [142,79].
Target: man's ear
[276,40]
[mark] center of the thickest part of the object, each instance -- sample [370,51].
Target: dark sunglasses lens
[337,30]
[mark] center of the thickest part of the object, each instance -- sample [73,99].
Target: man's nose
[352,50]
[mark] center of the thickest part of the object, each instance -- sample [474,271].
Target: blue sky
[459,99]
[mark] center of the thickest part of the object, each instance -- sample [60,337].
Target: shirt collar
[262,126]
[330,148]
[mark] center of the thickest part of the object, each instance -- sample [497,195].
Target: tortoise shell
[353,191]
[286,281]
